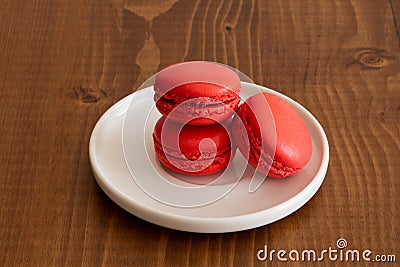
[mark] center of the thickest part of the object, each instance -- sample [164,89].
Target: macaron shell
[195,75]
[293,139]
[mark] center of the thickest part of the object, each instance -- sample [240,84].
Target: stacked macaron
[197,100]
[192,150]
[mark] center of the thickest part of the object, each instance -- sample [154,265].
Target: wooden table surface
[64,63]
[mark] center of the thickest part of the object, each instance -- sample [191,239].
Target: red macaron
[197,92]
[290,142]
[192,150]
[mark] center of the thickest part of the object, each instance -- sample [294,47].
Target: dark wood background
[63,63]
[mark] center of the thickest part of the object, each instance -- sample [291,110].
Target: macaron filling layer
[196,101]
[198,107]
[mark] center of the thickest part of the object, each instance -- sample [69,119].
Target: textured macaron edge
[201,114]
[256,156]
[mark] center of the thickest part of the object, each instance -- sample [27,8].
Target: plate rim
[201,224]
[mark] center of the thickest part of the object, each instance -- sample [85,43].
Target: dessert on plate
[278,152]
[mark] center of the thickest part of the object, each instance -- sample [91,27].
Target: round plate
[236,211]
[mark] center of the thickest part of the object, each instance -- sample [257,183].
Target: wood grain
[63,63]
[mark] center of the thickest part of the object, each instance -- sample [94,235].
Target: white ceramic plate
[236,211]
